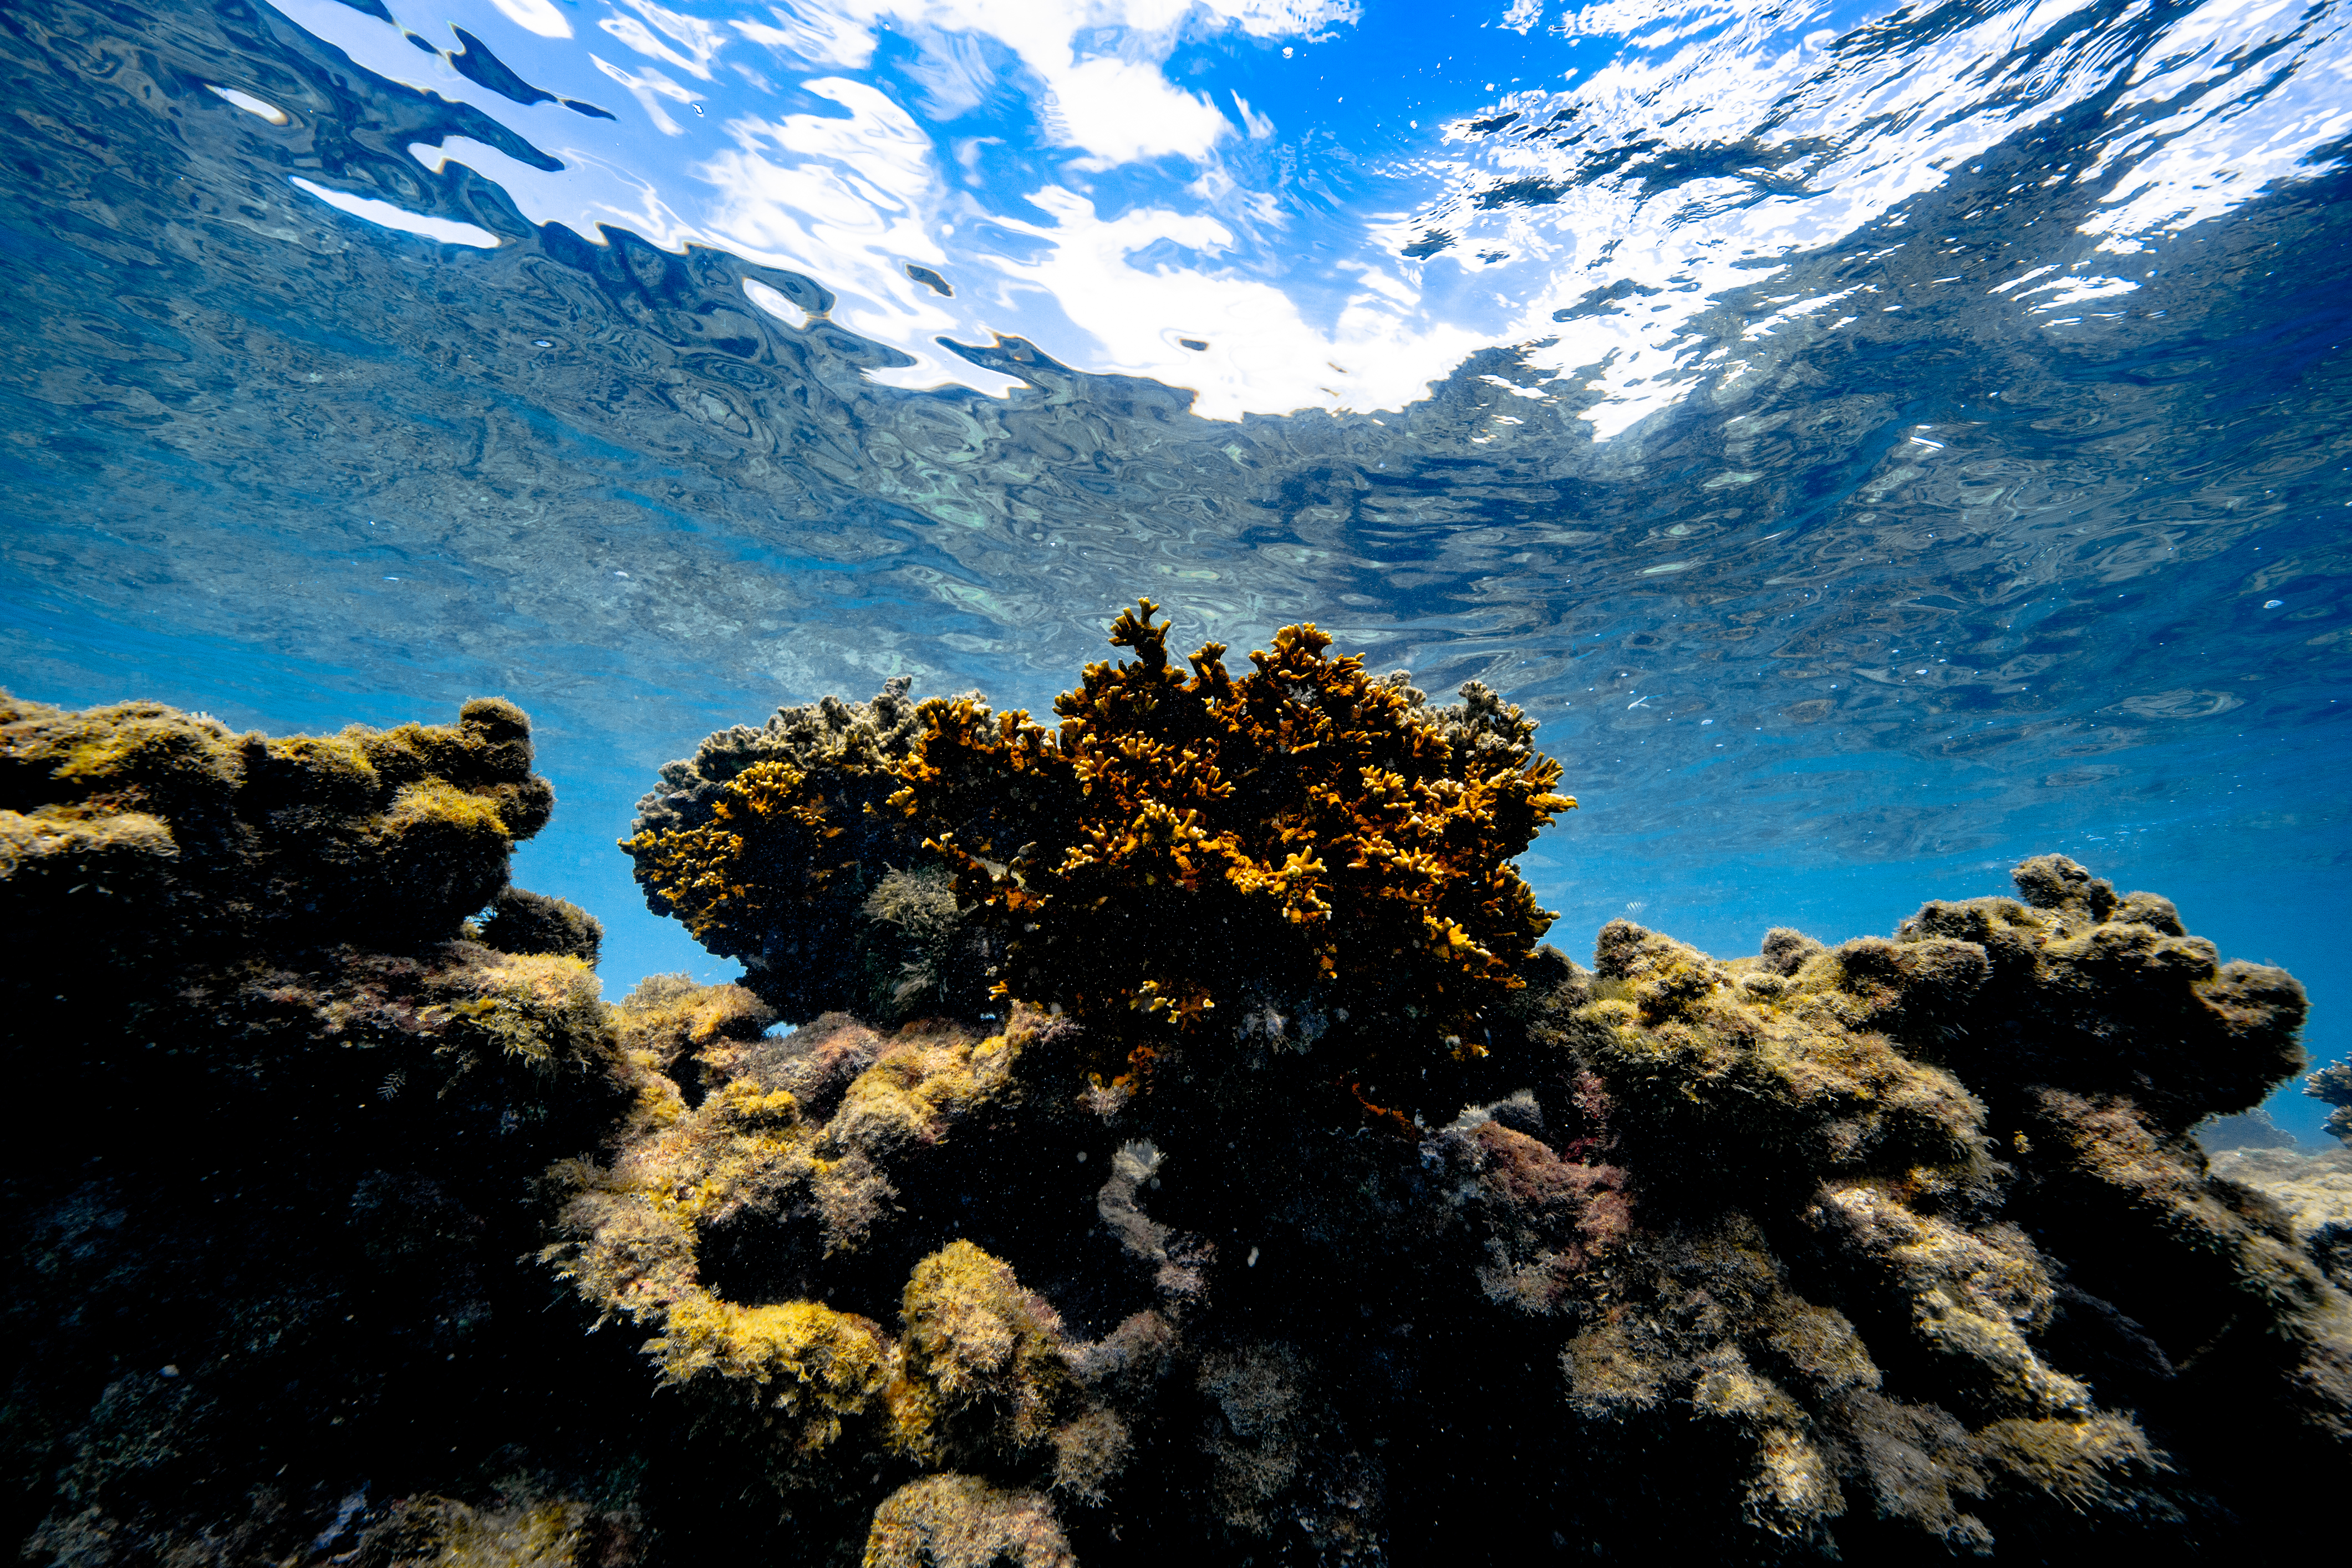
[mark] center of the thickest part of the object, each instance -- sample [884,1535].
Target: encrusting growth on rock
[2332,1086]
[961,1521]
[524,922]
[766,843]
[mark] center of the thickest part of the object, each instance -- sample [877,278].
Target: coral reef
[2315,1188]
[1310,845]
[266,1293]
[721,1225]
[1894,1247]
[961,1521]
[138,834]
[2332,1086]
[1162,1138]
[524,922]
[1744,1265]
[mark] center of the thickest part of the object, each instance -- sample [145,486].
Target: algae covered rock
[268,1293]
[524,922]
[137,832]
[2332,1086]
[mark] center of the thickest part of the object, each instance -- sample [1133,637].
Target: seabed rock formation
[1160,1137]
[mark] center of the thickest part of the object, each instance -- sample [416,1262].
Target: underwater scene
[932,783]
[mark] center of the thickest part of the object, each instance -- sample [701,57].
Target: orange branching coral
[1308,833]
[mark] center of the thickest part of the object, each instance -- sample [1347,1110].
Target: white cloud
[1523,16]
[1115,108]
[818,37]
[1125,112]
[844,200]
[1109,100]
[1890,124]
[260,107]
[590,191]
[953,71]
[2220,143]
[1302,310]
[1287,18]
[775,304]
[1262,354]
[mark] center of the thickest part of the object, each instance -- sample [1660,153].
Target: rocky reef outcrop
[2332,1086]
[1166,1137]
[287,1109]
[1292,1203]
[770,846]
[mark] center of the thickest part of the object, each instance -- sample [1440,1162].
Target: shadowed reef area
[1158,1133]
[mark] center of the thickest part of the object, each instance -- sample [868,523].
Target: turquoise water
[1878,444]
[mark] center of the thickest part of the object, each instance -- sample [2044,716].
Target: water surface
[1877,443]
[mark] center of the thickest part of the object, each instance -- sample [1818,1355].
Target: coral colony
[1160,1136]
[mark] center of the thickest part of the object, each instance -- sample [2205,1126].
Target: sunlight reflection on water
[1874,450]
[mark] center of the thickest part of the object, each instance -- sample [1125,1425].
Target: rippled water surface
[1877,443]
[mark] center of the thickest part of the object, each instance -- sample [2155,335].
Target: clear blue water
[1878,443]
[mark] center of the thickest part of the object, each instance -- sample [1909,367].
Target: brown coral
[766,845]
[1308,837]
